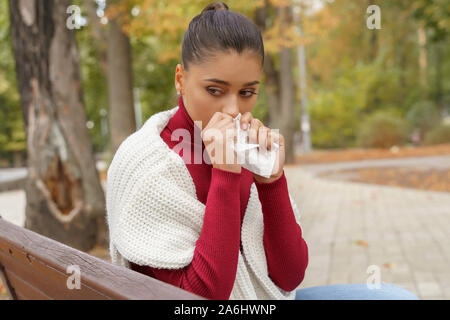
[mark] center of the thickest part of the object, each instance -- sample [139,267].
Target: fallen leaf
[389,265]
[361,243]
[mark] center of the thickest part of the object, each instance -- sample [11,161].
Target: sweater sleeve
[286,250]
[212,272]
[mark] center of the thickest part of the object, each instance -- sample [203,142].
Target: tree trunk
[279,84]
[65,200]
[373,38]
[272,92]
[438,77]
[271,74]
[287,92]
[98,33]
[120,85]
[422,39]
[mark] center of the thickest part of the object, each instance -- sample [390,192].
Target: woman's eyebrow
[227,84]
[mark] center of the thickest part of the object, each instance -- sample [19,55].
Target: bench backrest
[33,266]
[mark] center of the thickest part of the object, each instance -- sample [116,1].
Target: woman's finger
[217,116]
[274,137]
[262,137]
[246,120]
[223,122]
[219,129]
[278,138]
[255,124]
[269,139]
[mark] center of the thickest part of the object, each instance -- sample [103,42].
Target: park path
[441,162]
[349,226]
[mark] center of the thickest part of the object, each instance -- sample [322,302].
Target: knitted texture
[155,218]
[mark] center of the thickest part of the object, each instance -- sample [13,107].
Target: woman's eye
[212,89]
[249,93]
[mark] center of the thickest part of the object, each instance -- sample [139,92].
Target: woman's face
[227,83]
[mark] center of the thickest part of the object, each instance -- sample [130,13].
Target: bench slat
[6,283]
[26,290]
[53,285]
[38,260]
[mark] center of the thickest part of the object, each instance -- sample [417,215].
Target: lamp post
[137,107]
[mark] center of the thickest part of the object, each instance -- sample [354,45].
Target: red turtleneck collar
[182,119]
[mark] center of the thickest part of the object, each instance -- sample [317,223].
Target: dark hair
[216,29]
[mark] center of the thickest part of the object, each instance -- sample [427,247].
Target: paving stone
[404,232]
[339,277]
[429,289]
[408,286]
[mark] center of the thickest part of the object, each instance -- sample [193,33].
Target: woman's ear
[179,74]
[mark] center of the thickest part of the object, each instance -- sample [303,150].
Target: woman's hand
[218,136]
[265,137]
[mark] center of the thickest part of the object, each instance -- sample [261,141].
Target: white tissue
[251,156]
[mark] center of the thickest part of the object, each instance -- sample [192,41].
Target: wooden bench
[35,267]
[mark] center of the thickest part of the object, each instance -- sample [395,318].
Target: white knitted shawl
[155,218]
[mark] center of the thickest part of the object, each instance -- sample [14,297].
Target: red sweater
[212,271]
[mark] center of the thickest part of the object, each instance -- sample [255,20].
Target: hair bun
[216,6]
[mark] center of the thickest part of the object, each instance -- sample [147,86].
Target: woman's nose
[232,110]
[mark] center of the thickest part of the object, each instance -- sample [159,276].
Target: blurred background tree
[12,131]
[402,68]
[65,200]
[353,72]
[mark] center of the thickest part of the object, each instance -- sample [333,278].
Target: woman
[177,210]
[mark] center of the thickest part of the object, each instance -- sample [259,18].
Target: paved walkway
[420,163]
[12,206]
[351,226]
